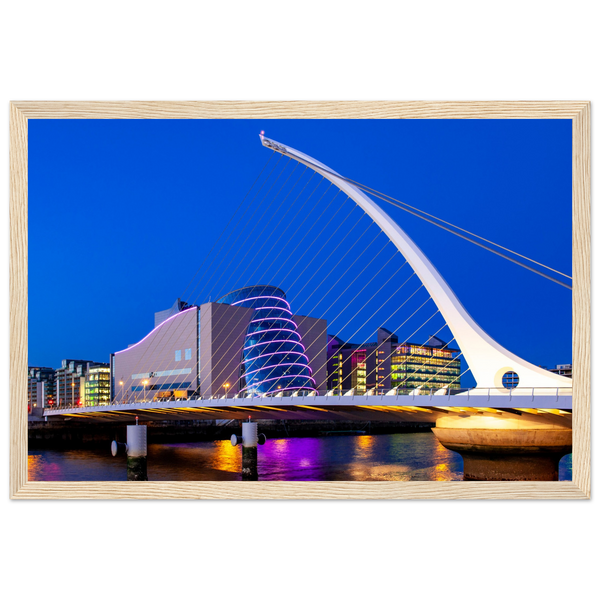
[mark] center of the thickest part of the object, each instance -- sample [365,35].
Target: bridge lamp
[145,383]
[226,386]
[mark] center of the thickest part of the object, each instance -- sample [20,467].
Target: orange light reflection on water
[443,456]
[364,441]
[38,469]
[227,457]
[363,446]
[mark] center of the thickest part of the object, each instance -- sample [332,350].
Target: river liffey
[388,457]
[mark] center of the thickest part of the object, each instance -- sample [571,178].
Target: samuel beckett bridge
[247,356]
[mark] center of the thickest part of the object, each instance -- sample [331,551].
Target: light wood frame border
[578,112]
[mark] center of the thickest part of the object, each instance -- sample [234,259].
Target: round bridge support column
[137,453]
[250,440]
[506,447]
[136,449]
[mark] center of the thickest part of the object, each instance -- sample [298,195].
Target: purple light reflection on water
[393,457]
[386,457]
[74,465]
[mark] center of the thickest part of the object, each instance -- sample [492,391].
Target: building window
[177,355]
[188,354]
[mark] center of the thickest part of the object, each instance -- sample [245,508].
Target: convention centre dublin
[249,342]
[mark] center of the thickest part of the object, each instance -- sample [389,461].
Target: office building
[96,390]
[40,389]
[566,370]
[70,381]
[246,343]
[387,364]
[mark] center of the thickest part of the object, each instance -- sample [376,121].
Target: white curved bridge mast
[488,360]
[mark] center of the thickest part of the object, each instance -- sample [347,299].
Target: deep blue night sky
[122,214]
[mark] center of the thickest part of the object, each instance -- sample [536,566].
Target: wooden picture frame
[577,112]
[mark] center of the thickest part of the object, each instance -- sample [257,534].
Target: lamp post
[145,383]
[121,384]
[226,386]
[72,393]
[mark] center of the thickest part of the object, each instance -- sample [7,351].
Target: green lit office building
[387,364]
[96,391]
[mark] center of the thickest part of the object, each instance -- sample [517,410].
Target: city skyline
[102,192]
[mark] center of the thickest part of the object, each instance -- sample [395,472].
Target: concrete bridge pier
[249,440]
[137,452]
[501,447]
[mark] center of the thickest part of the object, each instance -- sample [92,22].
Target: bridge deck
[419,408]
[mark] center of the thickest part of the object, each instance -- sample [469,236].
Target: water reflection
[207,461]
[74,465]
[397,457]
[394,457]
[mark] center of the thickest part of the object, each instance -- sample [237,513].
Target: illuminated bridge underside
[552,409]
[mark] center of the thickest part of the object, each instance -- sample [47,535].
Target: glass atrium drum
[273,359]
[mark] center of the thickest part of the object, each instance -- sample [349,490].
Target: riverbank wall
[42,434]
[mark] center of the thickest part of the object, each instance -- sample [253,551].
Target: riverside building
[40,389]
[248,343]
[387,364]
[96,390]
[76,378]
[566,370]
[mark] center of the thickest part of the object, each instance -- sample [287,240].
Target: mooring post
[137,452]
[249,440]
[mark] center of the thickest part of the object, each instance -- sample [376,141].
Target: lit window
[188,354]
[177,355]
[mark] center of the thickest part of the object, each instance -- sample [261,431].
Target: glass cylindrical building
[273,358]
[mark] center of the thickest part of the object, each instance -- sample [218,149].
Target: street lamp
[121,384]
[226,386]
[145,382]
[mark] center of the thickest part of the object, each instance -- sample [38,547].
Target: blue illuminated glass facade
[273,357]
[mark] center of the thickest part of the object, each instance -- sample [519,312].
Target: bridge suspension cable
[348,250]
[487,358]
[464,237]
[260,239]
[284,267]
[256,258]
[446,225]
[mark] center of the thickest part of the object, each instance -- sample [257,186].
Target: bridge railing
[304,395]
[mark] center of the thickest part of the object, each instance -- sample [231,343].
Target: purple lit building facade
[247,343]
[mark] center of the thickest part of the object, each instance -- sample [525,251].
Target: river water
[389,457]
